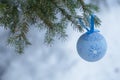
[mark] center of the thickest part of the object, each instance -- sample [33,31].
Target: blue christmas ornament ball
[91,46]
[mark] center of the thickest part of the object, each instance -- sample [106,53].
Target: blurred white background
[61,61]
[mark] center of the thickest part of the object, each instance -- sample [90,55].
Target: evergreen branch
[18,15]
[68,16]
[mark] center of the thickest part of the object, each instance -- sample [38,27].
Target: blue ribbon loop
[82,24]
[91,22]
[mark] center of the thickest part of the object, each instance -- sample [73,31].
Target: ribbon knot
[91,22]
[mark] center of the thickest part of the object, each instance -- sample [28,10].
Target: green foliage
[18,15]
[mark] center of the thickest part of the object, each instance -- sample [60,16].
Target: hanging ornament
[91,46]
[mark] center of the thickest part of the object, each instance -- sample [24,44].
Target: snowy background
[61,61]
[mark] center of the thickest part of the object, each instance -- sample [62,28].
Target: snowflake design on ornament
[94,51]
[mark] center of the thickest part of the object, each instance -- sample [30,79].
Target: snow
[61,61]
